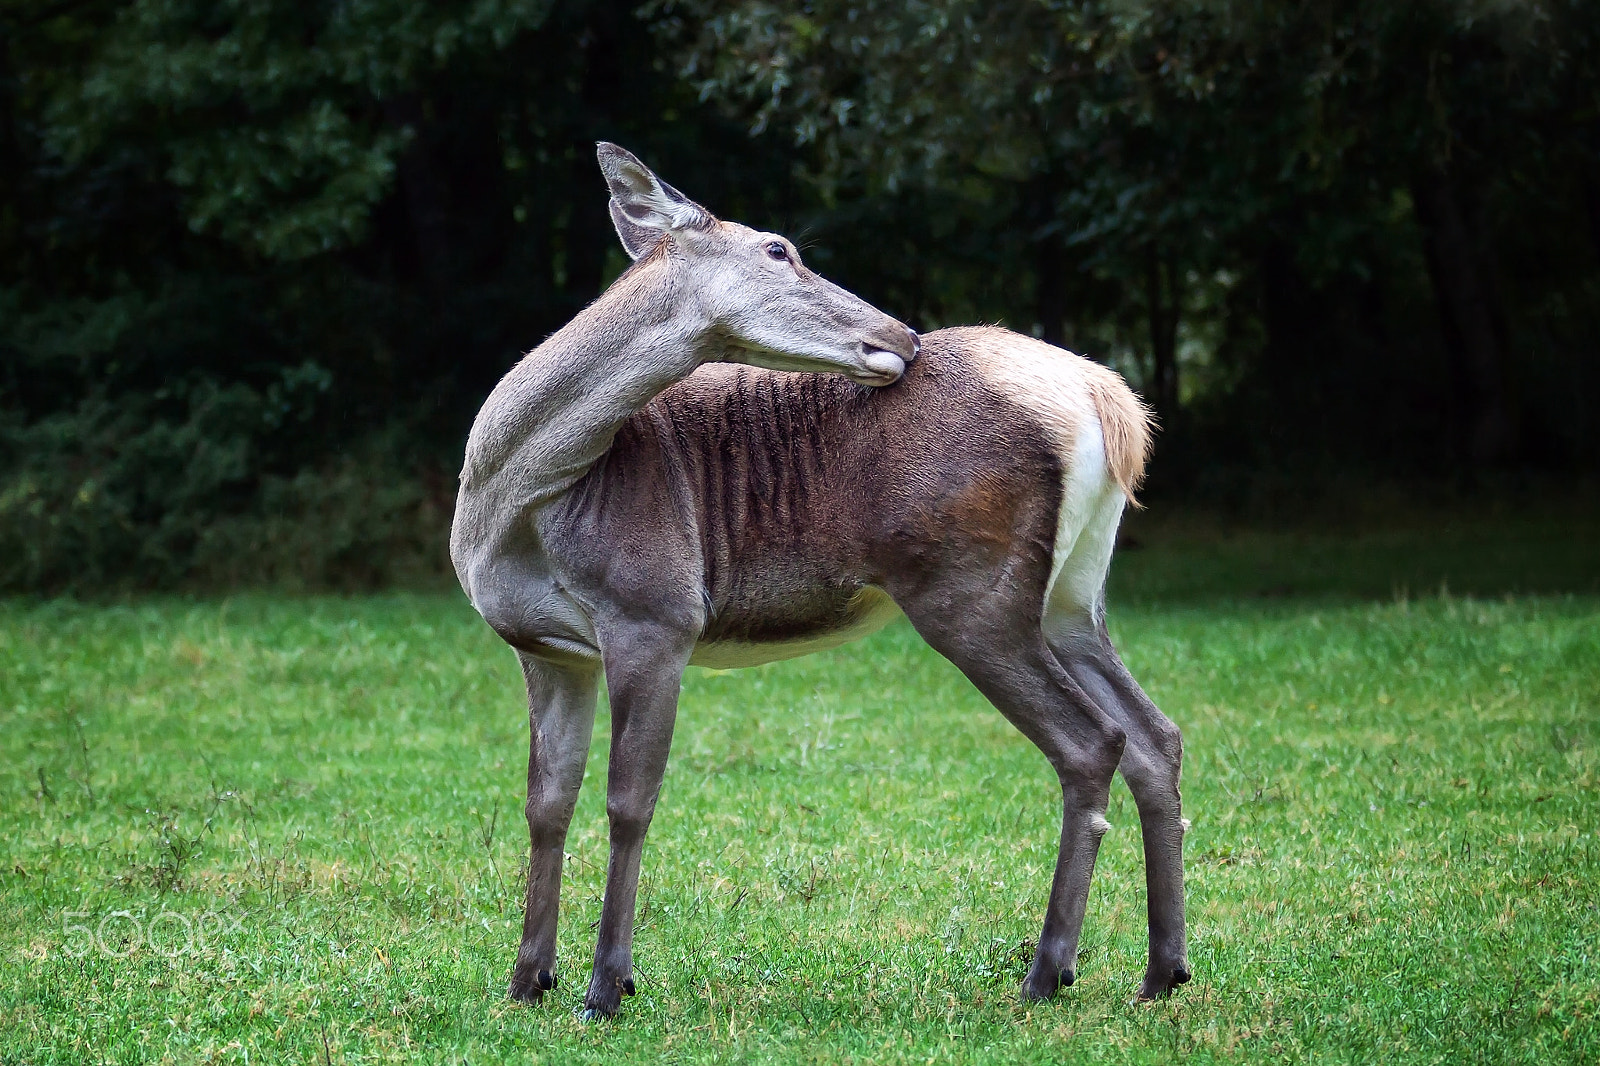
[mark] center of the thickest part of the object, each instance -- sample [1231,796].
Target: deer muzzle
[884,358]
[880,367]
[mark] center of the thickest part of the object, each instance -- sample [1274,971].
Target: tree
[252,249]
[1142,145]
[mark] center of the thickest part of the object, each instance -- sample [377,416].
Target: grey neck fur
[556,412]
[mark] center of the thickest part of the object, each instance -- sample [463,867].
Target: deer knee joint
[1094,758]
[629,813]
[1168,740]
[1112,742]
[548,816]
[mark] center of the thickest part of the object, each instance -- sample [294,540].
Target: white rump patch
[1054,384]
[1086,528]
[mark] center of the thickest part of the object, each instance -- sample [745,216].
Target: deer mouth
[879,367]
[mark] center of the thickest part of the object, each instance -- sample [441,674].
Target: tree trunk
[427,212]
[1161,301]
[1049,259]
[1469,319]
[1591,204]
[1049,273]
[589,233]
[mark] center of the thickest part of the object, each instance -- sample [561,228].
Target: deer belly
[869,610]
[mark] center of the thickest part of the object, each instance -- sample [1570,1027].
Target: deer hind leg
[561,703]
[644,667]
[1152,761]
[1151,765]
[1009,662]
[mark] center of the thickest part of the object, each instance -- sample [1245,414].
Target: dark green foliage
[260,262]
[1362,231]
[243,244]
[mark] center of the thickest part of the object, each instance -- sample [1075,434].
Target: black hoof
[1155,987]
[525,992]
[1041,986]
[530,988]
[604,998]
[595,1014]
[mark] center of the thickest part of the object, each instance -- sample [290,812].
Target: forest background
[260,261]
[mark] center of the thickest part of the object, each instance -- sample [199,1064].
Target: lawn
[268,828]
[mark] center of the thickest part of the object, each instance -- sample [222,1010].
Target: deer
[726,460]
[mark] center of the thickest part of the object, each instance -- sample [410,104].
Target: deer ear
[638,241]
[643,207]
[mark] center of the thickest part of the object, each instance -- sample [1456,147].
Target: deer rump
[778,514]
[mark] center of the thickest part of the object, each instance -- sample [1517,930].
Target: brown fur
[745,515]
[1063,389]
[775,498]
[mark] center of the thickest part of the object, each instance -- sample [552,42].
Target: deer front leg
[644,668]
[561,702]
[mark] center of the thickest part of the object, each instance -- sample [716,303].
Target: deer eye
[777,251]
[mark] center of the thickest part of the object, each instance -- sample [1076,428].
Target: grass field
[270,829]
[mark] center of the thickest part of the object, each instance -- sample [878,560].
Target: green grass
[311,808]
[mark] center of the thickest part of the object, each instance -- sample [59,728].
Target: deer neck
[558,410]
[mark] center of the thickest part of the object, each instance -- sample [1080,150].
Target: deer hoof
[599,1010]
[1042,985]
[628,987]
[605,1001]
[1156,986]
[532,989]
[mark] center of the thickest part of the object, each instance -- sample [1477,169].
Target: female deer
[632,503]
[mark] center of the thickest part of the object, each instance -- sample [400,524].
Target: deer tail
[1127,426]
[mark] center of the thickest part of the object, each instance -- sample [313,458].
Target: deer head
[760,302]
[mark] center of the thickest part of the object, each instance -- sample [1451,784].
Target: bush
[359,522]
[166,490]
